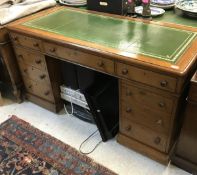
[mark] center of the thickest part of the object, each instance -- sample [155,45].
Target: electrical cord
[72,109]
[86,153]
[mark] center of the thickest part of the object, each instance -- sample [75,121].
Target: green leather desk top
[151,40]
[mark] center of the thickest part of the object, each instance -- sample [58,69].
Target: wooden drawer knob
[161,104]
[30,86]
[35,44]
[164,83]
[52,50]
[38,61]
[128,128]
[25,70]
[20,57]
[128,93]
[15,38]
[46,93]
[157,140]
[42,76]
[128,110]
[125,71]
[159,121]
[100,63]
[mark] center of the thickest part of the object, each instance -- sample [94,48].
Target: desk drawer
[39,89]
[143,134]
[75,56]
[150,99]
[31,58]
[34,73]
[147,77]
[157,121]
[22,40]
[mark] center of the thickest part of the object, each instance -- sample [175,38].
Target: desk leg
[18,95]
[11,65]
[1,100]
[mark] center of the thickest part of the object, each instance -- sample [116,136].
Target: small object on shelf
[74,3]
[131,8]
[164,4]
[165,7]
[119,7]
[146,12]
[188,8]
[154,11]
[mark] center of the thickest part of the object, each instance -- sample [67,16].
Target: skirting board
[184,164]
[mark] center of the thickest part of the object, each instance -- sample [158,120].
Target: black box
[103,102]
[108,6]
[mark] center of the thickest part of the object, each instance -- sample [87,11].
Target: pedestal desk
[153,61]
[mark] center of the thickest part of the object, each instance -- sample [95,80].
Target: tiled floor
[73,132]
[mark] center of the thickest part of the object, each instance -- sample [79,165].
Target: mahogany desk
[153,61]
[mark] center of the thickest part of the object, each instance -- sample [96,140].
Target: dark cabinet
[185,155]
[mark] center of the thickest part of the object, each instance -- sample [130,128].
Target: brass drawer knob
[46,93]
[20,56]
[38,61]
[159,121]
[42,76]
[35,44]
[15,38]
[52,50]
[25,70]
[125,71]
[128,128]
[30,86]
[128,93]
[164,83]
[128,110]
[100,63]
[157,140]
[161,104]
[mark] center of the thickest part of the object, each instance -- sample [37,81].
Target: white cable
[72,108]
[91,135]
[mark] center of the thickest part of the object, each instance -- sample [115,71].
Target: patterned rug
[25,150]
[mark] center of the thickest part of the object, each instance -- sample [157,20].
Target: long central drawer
[82,58]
